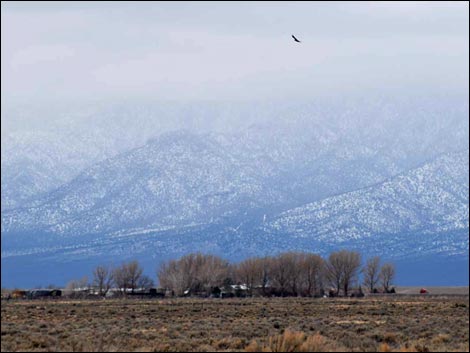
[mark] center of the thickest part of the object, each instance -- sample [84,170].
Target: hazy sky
[223,51]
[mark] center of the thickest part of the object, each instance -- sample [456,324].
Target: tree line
[125,278]
[287,274]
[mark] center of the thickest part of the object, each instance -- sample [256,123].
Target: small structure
[81,292]
[216,292]
[234,290]
[357,293]
[147,292]
[113,293]
[18,294]
[137,292]
[56,293]
[240,290]
[39,293]
[226,292]
[332,293]
[262,291]
[423,291]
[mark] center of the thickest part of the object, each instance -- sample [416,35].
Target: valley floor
[407,323]
[438,290]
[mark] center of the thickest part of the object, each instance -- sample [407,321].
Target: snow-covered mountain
[41,154]
[183,178]
[382,177]
[430,200]
[37,159]
[175,180]
[43,148]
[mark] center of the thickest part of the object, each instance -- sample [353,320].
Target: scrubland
[395,323]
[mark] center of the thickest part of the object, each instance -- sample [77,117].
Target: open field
[302,324]
[435,290]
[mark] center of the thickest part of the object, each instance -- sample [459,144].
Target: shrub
[384,347]
[441,338]
[291,341]
[390,338]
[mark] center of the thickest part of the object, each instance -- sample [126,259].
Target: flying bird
[298,41]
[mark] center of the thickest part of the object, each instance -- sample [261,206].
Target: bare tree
[145,282]
[387,274]
[342,269]
[280,273]
[290,273]
[127,276]
[371,273]
[210,272]
[178,275]
[231,275]
[194,272]
[133,273]
[102,279]
[255,273]
[294,263]
[335,270]
[352,266]
[80,284]
[265,264]
[120,278]
[250,273]
[311,269]
[77,288]
[170,276]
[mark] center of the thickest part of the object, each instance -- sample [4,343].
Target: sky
[75,51]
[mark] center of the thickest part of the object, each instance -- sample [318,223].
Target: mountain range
[383,178]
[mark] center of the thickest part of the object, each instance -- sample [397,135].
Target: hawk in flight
[298,41]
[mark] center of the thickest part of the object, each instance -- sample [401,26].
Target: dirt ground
[435,290]
[397,323]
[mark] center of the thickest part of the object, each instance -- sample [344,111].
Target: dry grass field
[435,290]
[399,323]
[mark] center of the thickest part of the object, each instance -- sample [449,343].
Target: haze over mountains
[154,181]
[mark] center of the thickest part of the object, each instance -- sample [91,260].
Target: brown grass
[292,341]
[270,325]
